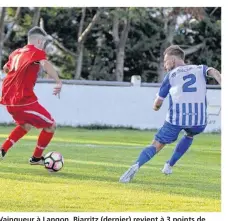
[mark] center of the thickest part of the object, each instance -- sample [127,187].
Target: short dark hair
[37,31]
[175,50]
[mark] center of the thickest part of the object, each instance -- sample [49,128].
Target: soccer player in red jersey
[19,98]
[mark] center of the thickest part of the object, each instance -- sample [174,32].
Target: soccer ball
[53,161]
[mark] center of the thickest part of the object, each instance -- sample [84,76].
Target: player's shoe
[36,161]
[167,170]
[2,154]
[129,174]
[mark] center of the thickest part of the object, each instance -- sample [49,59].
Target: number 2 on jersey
[189,81]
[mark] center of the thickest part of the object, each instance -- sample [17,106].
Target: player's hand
[157,103]
[156,108]
[57,89]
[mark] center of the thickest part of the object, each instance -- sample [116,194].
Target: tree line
[115,43]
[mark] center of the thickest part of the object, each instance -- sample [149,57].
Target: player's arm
[6,68]
[212,72]
[157,103]
[50,70]
[163,92]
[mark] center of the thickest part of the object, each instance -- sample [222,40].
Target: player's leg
[182,147]
[39,117]
[147,154]
[17,133]
[44,139]
[167,134]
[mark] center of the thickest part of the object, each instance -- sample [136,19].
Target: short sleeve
[164,89]
[39,55]
[8,63]
[205,70]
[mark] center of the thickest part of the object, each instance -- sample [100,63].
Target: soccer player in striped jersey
[186,87]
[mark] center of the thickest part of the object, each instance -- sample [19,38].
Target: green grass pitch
[94,161]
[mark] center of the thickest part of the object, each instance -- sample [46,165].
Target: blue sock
[146,155]
[180,149]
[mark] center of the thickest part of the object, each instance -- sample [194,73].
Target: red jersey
[18,85]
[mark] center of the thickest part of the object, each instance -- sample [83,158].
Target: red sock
[43,140]
[14,136]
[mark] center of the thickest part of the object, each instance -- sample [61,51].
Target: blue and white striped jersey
[186,86]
